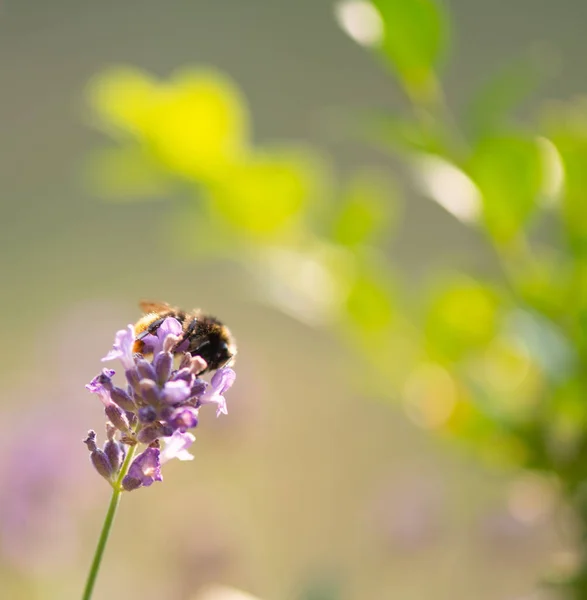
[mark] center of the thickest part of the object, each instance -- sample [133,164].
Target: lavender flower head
[160,403]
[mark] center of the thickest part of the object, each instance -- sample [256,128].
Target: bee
[206,336]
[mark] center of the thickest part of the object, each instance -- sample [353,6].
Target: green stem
[114,501]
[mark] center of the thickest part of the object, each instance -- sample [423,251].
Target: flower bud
[149,434]
[121,398]
[102,464]
[145,369]
[131,483]
[147,414]
[170,342]
[163,364]
[133,378]
[115,453]
[90,441]
[149,391]
[198,365]
[117,417]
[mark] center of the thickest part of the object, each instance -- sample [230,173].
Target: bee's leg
[189,330]
[151,329]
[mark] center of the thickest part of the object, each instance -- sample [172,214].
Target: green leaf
[411,133]
[508,170]
[462,316]
[567,128]
[194,123]
[415,35]
[122,99]
[367,210]
[265,194]
[500,94]
[370,303]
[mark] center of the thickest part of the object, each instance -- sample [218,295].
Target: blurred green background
[324,482]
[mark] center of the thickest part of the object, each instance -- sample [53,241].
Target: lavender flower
[145,469]
[177,447]
[161,403]
[221,382]
[123,347]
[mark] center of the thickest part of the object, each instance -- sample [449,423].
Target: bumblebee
[206,336]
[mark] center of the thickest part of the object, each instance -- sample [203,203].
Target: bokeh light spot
[360,20]
[531,498]
[449,187]
[430,396]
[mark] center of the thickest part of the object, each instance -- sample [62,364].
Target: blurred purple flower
[38,523]
[406,512]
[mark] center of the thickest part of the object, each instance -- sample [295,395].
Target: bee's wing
[148,306]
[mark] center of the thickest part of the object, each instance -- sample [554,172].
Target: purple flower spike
[176,392]
[145,469]
[123,347]
[221,382]
[159,404]
[176,446]
[184,418]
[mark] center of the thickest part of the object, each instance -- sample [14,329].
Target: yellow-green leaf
[194,124]
[266,193]
[367,209]
[567,126]
[123,98]
[200,124]
[508,170]
[462,315]
[414,38]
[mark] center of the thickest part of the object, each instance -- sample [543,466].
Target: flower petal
[223,380]
[146,467]
[123,347]
[97,387]
[175,392]
[184,418]
[176,447]
[154,343]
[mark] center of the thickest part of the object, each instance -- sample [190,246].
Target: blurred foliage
[498,363]
[414,37]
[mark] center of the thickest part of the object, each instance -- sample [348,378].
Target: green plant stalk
[107,526]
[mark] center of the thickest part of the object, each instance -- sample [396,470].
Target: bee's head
[217,349]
